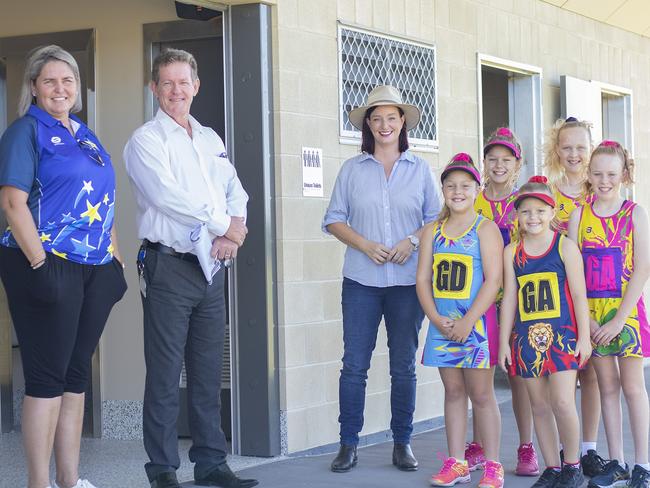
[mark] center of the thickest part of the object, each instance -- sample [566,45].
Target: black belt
[161,248]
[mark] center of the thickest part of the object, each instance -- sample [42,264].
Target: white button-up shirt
[181,181]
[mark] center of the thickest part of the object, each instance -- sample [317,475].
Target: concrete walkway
[375,469]
[119,464]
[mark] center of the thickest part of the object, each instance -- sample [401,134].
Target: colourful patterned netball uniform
[501,212]
[565,205]
[607,245]
[545,332]
[457,278]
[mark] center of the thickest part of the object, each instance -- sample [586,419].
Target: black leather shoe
[165,480]
[403,457]
[224,477]
[345,460]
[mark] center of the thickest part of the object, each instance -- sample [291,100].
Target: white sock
[645,466]
[588,445]
[621,463]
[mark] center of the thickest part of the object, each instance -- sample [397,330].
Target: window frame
[353,137]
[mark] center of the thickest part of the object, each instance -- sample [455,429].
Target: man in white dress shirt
[182,179]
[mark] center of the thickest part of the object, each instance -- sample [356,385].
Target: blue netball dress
[457,278]
[545,332]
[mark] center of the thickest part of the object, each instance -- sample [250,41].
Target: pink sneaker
[527,461]
[474,455]
[492,476]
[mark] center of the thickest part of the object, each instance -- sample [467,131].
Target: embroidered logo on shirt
[56,140]
[223,155]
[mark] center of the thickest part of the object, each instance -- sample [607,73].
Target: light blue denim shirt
[383,210]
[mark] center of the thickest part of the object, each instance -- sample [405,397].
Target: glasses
[91,150]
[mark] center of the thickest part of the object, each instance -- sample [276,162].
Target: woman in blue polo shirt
[58,258]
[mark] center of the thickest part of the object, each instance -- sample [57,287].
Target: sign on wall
[312,172]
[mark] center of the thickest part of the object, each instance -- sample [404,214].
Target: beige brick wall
[306,114]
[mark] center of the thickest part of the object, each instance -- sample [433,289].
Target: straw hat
[385,95]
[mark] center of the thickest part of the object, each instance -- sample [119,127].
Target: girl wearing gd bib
[544,298]
[461,340]
[613,235]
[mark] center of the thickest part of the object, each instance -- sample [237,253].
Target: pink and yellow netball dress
[565,205]
[501,212]
[457,278]
[607,245]
[545,332]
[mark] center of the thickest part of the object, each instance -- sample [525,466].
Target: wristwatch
[415,242]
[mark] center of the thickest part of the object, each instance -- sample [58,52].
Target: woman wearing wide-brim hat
[381,200]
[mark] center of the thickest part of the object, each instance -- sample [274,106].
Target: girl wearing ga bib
[544,302]
[613,235]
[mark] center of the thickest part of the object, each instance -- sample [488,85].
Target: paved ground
[118,464]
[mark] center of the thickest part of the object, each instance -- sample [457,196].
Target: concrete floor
[119,464]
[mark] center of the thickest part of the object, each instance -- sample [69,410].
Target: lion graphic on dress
[540,336]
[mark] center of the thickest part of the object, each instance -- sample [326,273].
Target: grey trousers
[183,317]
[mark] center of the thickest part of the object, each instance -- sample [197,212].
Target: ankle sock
[588,445]
[645,466]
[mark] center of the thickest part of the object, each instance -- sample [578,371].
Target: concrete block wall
[306,114]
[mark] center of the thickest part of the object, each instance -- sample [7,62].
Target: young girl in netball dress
[566,158]
[545,309]
[612,233]
[502,161]
[454,259]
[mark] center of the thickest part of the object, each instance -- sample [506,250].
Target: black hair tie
[571,119]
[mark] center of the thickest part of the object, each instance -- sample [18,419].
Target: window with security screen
[369,59]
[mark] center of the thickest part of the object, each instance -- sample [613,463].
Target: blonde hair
[554,170]
[613,147]
[506,135]
[457,160]
[36,60]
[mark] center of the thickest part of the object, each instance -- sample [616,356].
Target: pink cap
[460,167]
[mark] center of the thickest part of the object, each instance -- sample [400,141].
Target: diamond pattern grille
[368,60]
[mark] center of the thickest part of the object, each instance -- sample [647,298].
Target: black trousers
[59,311]
[184,317]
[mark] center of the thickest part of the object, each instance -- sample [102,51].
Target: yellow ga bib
[539,296]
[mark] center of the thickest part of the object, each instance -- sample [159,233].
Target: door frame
[532,141]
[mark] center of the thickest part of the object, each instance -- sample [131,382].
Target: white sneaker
[80,484]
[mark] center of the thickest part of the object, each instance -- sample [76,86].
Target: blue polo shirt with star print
[70,184]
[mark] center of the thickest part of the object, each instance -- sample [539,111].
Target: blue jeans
[363,307]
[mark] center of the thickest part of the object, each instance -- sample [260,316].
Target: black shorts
[59,311]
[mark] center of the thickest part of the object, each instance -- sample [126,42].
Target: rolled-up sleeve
[432,196]
[338,209]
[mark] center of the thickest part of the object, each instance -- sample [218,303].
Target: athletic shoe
[570,477]
[474,455]
[592,463]
[613,475]
[548,478]
[451,472]
[492,476]
[527,461]
[640,477]
[80,484]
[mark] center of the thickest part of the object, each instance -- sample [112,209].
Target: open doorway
[13,53]
[509,94]
[204,40]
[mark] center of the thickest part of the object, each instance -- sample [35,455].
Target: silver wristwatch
[415,241]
